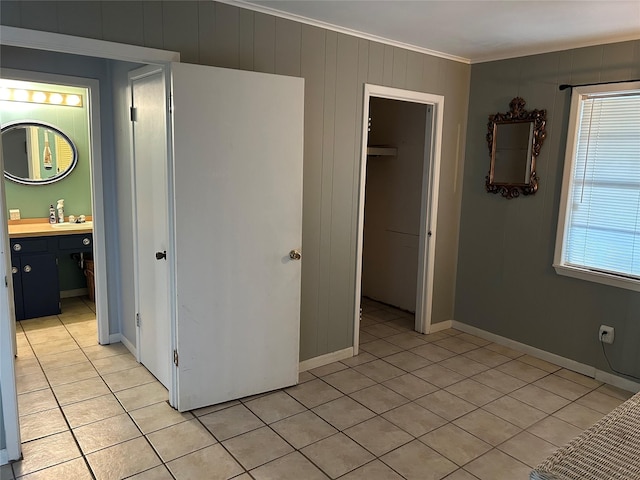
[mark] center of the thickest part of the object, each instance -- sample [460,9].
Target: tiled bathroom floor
[447,405]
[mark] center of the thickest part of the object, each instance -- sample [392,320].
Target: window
[599,223]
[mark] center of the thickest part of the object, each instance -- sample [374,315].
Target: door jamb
[429,210]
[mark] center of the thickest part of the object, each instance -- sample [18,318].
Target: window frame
[577,96]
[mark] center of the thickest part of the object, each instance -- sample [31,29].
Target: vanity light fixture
[39,96]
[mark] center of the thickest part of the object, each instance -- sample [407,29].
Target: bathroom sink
[71,226]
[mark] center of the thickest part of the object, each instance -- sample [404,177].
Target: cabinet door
[17,287]
[40,286]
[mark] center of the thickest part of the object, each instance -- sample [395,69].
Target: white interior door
[237,152]
[151,219]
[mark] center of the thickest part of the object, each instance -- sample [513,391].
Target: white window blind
[603,206]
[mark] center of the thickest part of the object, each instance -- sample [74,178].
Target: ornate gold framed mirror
[514,140]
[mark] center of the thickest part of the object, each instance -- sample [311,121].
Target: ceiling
[472,30]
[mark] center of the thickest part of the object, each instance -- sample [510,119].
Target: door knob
[161,255]
[295,255]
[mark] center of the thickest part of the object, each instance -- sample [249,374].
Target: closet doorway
[399,175]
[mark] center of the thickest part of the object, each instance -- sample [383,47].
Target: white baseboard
[4,456]
[78,292]
[564,362]
[130,346]
[325,359]
[437,327]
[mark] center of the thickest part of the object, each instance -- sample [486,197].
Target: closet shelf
[382,151]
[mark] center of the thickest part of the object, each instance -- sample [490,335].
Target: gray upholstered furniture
[609,450]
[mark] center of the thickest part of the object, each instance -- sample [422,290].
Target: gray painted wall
[335,67]
[506,283]
[3,439]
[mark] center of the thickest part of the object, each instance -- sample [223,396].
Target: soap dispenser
[52,214]
[60,208]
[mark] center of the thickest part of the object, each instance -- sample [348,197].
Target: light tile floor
[447,405]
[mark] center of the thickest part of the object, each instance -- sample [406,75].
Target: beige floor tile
[439,376]
[456,444]
[314,393]
[488,427]
[128,378]
[434,337]
[405,340]
[539,363]
[416,461]
[181,439]
[257,447]
[71,373]
[230,422]
[599,402]
[362,357]
[446,405]
[106,433]
[414,419]
[502,350]
[214,408]
[581,417]
[350,380]
[73,470]
[562,387]
[274,407]
[467,337]
[460,474]
[379,370]
[56,346]
[456,344]
[343,412]
[157,473]
[555,431]
[337,455]
[366,338]
[212,463]
[86,340]
[290,467]
[381,330]
[305,377]
[40,323]
[79,391]
[540,398]
[27,366]
[378,435]
[157,416]
[31,383]
[379,398]
[496,465]
[379,348]
[96,352]
[385,315]
[83,328]
[375,470]
[615,392]
[46,452]
[516,412]
[304,428]
[499,381]
[528,448]
[327,369]
[92,410]
[64,359]
[578,378]
[123,460]
[487,357]
[407,361]
[410,386]
[42,424]
[34,402]
[463,365]
[524,372]
[474,392]
[142,395]
[433,352]
[51,336]
[115,363]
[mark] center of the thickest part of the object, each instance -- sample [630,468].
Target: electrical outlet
[14,214]
[607,334]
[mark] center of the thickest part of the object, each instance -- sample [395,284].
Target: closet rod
[564,86]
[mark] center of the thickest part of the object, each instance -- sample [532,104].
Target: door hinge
[175,357]
[137,319]
[132,114]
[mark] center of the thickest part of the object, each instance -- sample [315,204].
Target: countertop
[37,227]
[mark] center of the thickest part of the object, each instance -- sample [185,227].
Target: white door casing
[237,153]
[150,214]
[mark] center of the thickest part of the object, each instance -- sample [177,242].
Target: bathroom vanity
[35,250]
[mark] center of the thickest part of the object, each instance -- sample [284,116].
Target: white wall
[392,204]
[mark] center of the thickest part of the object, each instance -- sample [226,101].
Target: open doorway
[398,209]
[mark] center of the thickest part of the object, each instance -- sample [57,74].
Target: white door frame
[55,42]
[428,212]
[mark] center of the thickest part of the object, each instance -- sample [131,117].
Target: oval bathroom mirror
[36,153]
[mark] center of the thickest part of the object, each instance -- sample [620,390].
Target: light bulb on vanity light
[55,98]
[39,97]
[21,95]
[73,100]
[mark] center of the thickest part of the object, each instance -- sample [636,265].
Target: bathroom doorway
[399,176]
